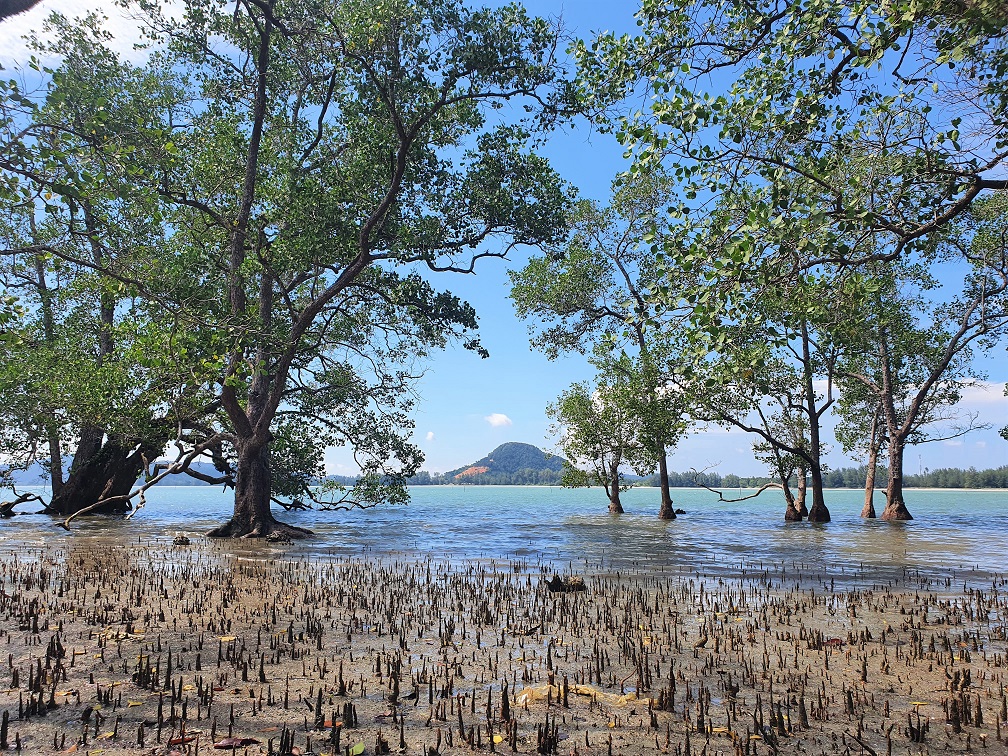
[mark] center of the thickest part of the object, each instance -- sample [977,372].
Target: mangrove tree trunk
[791,514]
[253,484]
[895,508]
[101,471]
[666,511]
[869,494]
[802,492]
[818,512]
[613,490]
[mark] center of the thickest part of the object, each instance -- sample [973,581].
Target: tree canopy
[302,163]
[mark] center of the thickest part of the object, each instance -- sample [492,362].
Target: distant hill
[512,463]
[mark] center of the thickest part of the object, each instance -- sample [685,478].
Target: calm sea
[963,531]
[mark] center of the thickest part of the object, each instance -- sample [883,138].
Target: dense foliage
[232,247]
[293,166]
[819,152]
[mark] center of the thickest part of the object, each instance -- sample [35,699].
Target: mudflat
[158,648]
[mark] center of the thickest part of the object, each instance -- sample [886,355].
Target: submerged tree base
[896,512]
[869,511]
[241,528]
[792,514]
[819,513]
[108,474]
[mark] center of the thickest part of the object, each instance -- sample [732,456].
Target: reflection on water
[953,529]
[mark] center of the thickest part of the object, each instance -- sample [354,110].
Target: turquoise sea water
[958,530]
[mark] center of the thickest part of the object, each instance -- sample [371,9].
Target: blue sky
[468,405]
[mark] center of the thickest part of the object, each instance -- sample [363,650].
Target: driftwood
[7,507]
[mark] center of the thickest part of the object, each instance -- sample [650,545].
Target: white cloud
[985,392]
[953,442]
[429,436]
[498,420]
[981,444]
[125,30]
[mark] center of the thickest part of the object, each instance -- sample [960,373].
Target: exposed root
[896,512]
[818,513]
[271,528]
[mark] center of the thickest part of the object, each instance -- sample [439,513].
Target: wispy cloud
[498,420]
[985,392]
[429,436]
[119,23]
[953,442]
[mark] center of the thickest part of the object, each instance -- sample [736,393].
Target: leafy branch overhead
[805,135]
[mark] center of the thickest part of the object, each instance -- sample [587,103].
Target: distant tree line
[847,477]
[525,477]
[843,477]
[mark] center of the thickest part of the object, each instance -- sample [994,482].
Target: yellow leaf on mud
[498,738]
[227,638]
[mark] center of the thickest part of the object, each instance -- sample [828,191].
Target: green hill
[512,463]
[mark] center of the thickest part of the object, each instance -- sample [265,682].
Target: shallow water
[954,530]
